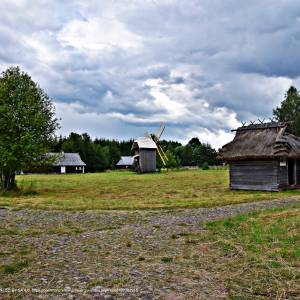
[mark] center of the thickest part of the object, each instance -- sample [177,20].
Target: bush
[205,166]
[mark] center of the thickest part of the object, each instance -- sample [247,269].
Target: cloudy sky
[116,68]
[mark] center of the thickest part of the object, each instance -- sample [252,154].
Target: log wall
[254,175]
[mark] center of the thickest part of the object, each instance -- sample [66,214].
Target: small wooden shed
[125,162]
[144,154]
[263,157]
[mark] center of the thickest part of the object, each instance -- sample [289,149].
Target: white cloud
[216,139]
[74,118]
[98,34]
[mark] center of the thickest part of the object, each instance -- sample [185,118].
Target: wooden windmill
[156,138]
[145,149]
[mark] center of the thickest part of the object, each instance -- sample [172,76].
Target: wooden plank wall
[254,175]
[147,160]
[283,179]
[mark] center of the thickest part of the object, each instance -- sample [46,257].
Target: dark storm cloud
[118,68]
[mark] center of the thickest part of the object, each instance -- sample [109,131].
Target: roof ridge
[267,125]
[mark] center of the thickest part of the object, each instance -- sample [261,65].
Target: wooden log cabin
[263,157]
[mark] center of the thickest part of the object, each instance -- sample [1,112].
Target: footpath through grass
[128,190]
[250,256]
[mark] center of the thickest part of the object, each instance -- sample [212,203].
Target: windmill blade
[162,152]
[161,157]
[156,138]
[160,131]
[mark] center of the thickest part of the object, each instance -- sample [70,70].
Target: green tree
[204,153]
[95,156]
[102,158]
[115,155]
[194,142]
[185,155]
[289,110]
[172,162]
[27,124]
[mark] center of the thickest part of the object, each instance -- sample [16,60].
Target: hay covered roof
[262,141]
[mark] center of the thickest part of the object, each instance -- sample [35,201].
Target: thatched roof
[262,141]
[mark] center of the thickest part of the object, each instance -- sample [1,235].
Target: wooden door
[292,171]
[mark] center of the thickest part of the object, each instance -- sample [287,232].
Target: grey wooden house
[58,163]
[263,157]
[67,163]
[144,154]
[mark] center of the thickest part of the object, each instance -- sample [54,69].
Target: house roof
[144,143]
[125,161]
[68,159]
[259,141]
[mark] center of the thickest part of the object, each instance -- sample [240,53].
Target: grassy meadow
[260,253]
[128,190]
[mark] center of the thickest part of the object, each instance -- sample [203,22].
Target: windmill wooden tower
[145,149]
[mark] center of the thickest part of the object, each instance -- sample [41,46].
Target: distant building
[144,154]
[59,163]
[68,163]
[125,162]
[263,157]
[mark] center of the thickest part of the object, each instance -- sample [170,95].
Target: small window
[282,162]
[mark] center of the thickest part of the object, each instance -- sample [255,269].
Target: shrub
[205,166]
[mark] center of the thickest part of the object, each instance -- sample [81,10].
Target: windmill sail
[156,138]
[160,131]
[162,155]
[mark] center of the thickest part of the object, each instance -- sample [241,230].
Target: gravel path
[205,214]
[113,254]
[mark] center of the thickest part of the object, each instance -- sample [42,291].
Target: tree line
[103,154]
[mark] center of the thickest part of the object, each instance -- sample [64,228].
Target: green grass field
[128,190]
[260,253]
